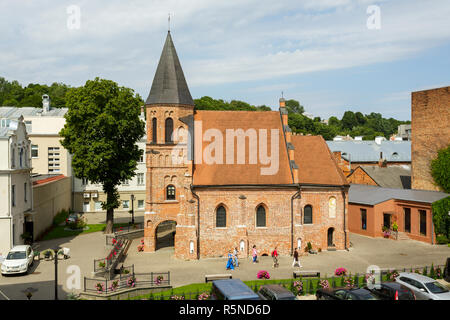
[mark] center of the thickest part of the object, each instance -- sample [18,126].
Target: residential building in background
[430,120]
[404,132]
[396,177]
[371,208]
[49,157]
[43,126]
[351,154]
[16,198]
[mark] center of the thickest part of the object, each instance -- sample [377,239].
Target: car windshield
[16,255]
[436,287]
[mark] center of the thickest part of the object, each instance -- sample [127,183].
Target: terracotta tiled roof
[316,162]
[41,179]
[242,174]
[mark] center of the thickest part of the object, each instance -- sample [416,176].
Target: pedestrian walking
[230,261]
[254,254]
[275,258]
[296,261]
[235,256]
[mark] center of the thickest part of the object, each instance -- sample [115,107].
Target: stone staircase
[402,236]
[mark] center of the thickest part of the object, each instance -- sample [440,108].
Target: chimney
[382,163]
[45,103]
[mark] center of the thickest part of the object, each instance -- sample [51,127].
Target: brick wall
[359,176]
[430,133]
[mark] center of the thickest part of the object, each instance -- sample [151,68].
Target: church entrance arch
[165,234]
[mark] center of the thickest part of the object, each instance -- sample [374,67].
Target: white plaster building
[16,199]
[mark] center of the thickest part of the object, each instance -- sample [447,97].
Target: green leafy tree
[349,120]
[101,131]
[440,169]
[441,217]
[294,106]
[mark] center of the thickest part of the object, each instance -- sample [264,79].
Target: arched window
[221,217]
[308,215]
[169,130]
[154,130]
[261,216]
[170,192]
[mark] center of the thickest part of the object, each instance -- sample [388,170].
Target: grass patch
[310,286]
[59,232]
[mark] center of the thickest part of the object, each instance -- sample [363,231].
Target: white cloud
[217,41]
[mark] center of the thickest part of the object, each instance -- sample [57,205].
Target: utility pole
[132,209]
[56,273]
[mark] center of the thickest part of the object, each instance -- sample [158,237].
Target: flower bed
[340,272]
[263,274]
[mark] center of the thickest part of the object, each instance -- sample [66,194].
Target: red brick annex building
[236,178]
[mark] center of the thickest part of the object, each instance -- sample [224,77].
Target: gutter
[295,196]
[198,221]
[345,227]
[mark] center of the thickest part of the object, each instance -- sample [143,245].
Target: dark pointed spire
[169,85]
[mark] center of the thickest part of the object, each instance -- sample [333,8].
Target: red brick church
[236,178]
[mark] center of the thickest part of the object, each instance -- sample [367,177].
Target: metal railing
[129,281]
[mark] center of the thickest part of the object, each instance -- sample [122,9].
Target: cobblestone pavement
[85,248]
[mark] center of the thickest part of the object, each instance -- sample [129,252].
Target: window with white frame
[98,206]
[140,204]
[140,179]
[34,151]
[126,204]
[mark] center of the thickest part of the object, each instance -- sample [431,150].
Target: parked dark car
[275,292]
[232,289]
[345,294]
[392,291]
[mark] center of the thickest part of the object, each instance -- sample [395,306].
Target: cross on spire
[169,20]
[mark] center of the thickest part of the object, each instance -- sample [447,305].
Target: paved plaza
[85,248]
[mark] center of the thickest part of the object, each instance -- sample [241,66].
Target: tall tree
[101,131]
[349,120]
[440,169]
[294,106]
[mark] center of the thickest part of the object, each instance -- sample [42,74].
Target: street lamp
[132,209]
[56,272]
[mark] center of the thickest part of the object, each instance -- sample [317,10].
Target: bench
[211,277]
[306,273]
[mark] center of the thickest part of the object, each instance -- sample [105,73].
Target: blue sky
[319,52]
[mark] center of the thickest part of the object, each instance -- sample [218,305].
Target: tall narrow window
[170,192]
[407,212]
[308,215]
[21,157]
[221,217]
[423,222]
[261,216]
[154,130]
[25,192]
[169,130]
[363,219]
[13,195]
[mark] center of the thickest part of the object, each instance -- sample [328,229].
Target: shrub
[204,296]
[60,217]
[297,288]
[349,282]
[441,239]
[324,284]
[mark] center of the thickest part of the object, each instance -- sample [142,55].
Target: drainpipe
[345,232]
[295,196]
[198,221]
[11,218]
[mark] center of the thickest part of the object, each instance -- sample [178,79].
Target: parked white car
[424,288]
[18,260]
